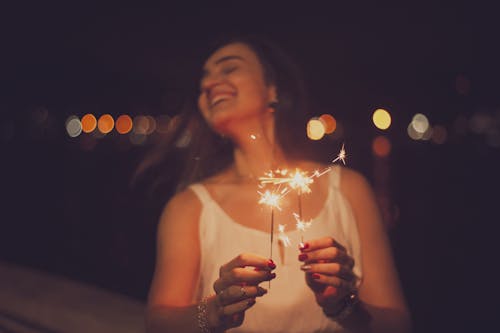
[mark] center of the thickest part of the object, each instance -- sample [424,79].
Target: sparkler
[299,181]
[271,199]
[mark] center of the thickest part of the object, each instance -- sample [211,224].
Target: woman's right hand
[236,289]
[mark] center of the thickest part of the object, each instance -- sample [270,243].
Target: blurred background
[86,90]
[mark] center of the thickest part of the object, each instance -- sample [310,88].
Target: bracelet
[202,316]
[349,303]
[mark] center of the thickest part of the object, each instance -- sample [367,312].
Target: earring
[273,105]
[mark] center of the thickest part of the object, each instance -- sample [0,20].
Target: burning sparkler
[299,181]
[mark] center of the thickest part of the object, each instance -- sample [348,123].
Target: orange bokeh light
[381,146]
[89,123]
[105,123]
[329,123]
[123,124]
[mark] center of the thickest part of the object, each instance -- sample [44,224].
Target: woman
[213,238]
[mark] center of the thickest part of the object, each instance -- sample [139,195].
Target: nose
[209,81]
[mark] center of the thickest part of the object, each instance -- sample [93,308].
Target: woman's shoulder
[182,202]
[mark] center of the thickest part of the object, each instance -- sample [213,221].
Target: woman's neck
[256,150]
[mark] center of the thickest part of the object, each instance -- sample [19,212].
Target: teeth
[219,98]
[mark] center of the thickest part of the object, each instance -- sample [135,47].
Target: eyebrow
[222,59]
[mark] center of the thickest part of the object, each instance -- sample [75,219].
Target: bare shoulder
[352,181]
[358,191]
[183,206]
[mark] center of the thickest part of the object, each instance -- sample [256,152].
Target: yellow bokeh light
[329,122]
[381,119]
[123,124]
[105,123]
[315,129]
[89,123]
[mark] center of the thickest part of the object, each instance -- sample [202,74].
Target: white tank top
[289,306]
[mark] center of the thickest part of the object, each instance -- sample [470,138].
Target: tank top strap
[335,176]
[201,192]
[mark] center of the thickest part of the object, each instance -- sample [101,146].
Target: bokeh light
[151,125]
[73,126]
[89,123]
[162,123]
[439,134]
[105,123]
[123,124]
[381,146]
[144,125]
[381,119]
[315,129]
[480,122]
[420,123]
[412,133]
[329,123]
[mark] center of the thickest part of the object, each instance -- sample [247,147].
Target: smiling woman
[212,240]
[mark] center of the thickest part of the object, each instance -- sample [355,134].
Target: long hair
[207,153]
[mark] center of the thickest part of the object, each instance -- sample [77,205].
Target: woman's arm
[170,303]
[170,307]
[381,296]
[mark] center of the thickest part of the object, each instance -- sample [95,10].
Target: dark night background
[67,204]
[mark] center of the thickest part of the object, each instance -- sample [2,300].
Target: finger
[237,307]
[238,276]
[330,254]
[333,269]
[248,259]
[320,243]
[235,294]
[338,283]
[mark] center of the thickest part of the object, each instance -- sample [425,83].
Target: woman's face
[233,87]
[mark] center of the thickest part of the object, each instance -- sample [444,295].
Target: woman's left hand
[328,270]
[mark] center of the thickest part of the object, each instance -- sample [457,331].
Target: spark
[282,236]
[271,199]
[341,156]
[301,225]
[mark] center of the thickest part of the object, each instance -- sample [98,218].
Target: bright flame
[299,180]
[301,225]
[270,199]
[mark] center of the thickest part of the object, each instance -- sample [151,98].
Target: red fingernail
[251,301]
[272,275]
[304,246]
[302,256]
[271,264]
[315,276]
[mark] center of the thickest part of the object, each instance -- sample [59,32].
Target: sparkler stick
[271,199]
